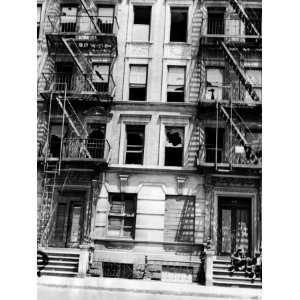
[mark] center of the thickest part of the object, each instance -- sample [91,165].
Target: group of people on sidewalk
[251,266]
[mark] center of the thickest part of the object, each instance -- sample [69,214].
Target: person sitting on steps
[255,269]
[238,261]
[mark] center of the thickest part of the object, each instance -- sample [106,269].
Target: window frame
[99,6]
[146,81]
[184,67]
[133,23]
[126,146]
[39,5]
[185,7]
[122,215]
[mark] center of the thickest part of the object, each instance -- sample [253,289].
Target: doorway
[68,227]
[234,225]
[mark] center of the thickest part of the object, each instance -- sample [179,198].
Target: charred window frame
[122,215]
[174,145]
[176,83]
[101,74]
[210,144]
[138,82]
[135,140]
[68,18]
[179,22]
[141,23]
[105,20]
[39,14]
[216,20]
[214,83]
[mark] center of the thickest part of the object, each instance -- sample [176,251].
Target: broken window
[255,78]
[105,19]
[57,133]
[215,20]
[101,77]
[138,82]
[176,81]
[179,17]
[141,23]
[174,143]
[121,217]
[68,18]
[214,82]
[213,138]
[39,11]
[135,144]
[64,74]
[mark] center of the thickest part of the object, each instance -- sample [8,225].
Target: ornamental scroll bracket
[123,182]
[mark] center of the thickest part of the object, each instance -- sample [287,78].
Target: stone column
[209,268]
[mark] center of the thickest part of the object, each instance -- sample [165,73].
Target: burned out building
[149,137]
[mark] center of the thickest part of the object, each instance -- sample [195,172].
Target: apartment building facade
[149,134]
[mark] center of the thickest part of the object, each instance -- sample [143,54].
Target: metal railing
[76,148]
[236,155]
[77,83]
[83,25]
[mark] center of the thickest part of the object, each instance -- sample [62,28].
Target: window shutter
[138,75]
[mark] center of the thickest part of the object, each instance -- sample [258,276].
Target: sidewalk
[151,287]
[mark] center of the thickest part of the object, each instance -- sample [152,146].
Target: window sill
[139,43]
[178,43]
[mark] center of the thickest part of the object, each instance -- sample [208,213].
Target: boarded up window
[179,17]
[214,82]
[174,143]
[176,81]
[141,23]
[179,219]
[138,82]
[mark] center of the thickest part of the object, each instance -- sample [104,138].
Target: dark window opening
[121,218]
[138,83]
[68,18]
[174,146]
[117,270]
[179,17]
[210,145]
[215,20]
[39,11]
[96,141]
[176,84]
[141,23]
[135,144]
[105,20]
[101,77]
[255,17]
[64,74]
[55,137]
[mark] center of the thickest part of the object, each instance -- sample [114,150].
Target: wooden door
[234,225]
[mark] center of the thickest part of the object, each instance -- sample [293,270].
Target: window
[55,137]
[121,217]
[138,82]
[141,23]
[174,146]
[179,17]
[135,144]
[210,145]
[255,17]
[96,139]
[215,20]
[214,82]
[39,11]
[64,74]
[68,18]
[176,80]
[105,19]
[255,76]
[101,77]
[254,139]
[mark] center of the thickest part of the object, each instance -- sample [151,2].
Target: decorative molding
[123,181]
[135,118]
[180,184]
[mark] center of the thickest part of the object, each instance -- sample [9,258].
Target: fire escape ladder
[81,61]
[240,72]
[243,16]
[87,6]
[240,136]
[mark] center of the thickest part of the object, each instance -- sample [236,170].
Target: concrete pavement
[56,288]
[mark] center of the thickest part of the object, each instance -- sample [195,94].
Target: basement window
[215,20]
[210,145]
[101,77]
[121,217]
[135,144]
[68,18]
[39,12]
[174,146]
[105,19]
[117,270]
[176,81]
[141,23]
[138,82]
[214,82]
[179,18]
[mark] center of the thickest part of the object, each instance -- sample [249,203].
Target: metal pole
[231,127]
[62,128]
[217,129]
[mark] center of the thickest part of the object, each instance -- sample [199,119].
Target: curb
[156,292]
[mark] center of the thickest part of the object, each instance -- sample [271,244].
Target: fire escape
[230,42]
[77,39]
